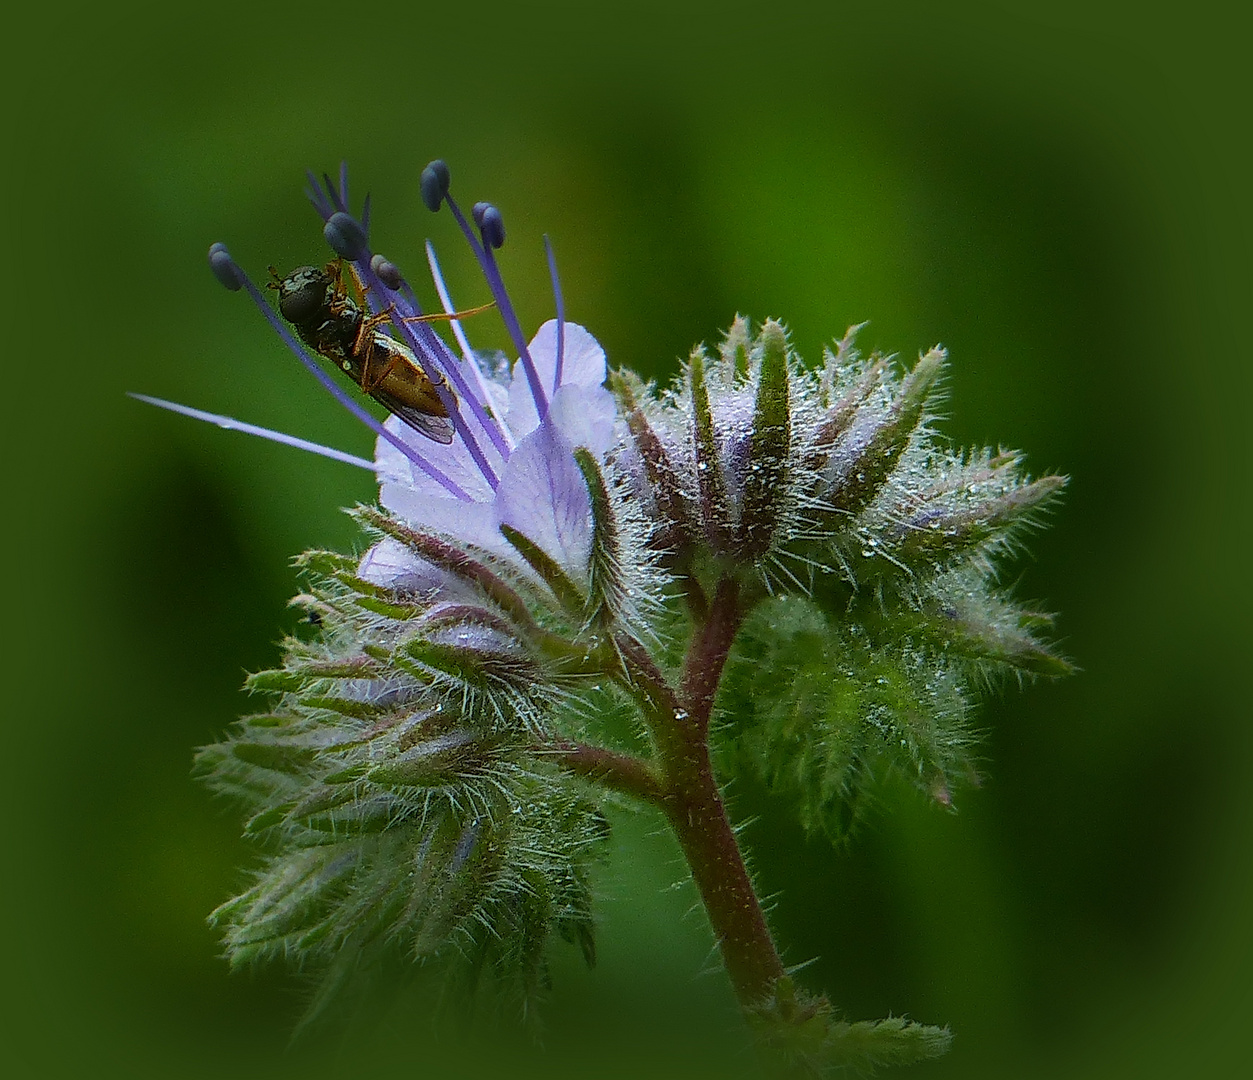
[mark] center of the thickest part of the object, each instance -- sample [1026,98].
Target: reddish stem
[620,772]
[699,819]
[696,812]
[708,652]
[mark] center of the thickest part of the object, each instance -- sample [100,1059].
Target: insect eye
[302,294]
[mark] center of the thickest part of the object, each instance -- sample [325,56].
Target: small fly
[334,325]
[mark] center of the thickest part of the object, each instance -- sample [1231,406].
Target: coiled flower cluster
[764,567]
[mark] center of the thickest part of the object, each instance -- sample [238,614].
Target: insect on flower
[328,320]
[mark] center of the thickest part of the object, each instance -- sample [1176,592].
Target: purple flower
[511,460]
[535,485]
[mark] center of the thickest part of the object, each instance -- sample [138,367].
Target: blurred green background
[1058,194]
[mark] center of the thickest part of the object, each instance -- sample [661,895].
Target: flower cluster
[768,567]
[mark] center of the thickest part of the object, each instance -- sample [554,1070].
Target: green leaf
[817,713]
[805,1032]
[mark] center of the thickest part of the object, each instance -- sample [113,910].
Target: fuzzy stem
[694,807]
[707,654]
[696,813]
[618,772]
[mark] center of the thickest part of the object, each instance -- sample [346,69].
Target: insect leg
[441,316]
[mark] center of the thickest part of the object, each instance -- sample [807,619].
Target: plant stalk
[694,807]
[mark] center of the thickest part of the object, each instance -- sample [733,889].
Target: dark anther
[224,268]
[387,272]
[345,235]
[435,183]
[490,224]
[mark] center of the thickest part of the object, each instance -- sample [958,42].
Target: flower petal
[453,460]
[544,497]
[585,415]
[393,566]
[464,523]
[583,364]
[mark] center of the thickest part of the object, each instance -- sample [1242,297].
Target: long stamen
[483,251]
[333,194]
[432,345]
[347,238]
[446,300]
[429,348]
[229,273]
[318,197]
[561,312]
[229,423]
[441,287]
[435,183]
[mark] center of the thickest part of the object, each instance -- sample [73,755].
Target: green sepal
[276,681]
[279,757]
[325,564]
[449,878]
[839,418]
[769,448]
[992,633]
[481,668]
[862,480]
[448,557]
[267,721]
[949,534]
[736,347]
[606,591]
[818,713]
[567,593]
[676,532]
[358,710]
[389,609]
[267,819]
[436,761]
[325,798]
[354,817]
[350,775]
[714,501]
[300,673]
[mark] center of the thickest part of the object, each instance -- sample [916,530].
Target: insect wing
[405,390]
[437,428]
